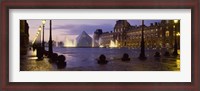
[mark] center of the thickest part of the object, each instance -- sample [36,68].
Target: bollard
[102,59]
[125,57]
[54,57]
[61,62]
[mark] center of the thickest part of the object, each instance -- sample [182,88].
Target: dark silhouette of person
[34,47]
[39,53]
[61,62]
[102,59]
[125,57]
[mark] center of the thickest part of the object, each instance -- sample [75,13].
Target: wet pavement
[86,62]
[30,63]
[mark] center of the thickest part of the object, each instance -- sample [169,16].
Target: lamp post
[175,53]
[43,23]
[178,42]
[50,41]
[142,53]
[39,47]
[39,34]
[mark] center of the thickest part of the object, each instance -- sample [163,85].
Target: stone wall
[24,37]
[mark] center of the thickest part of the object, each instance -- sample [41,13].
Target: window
[167,33]
[174,33]
[156,35]
[174,26]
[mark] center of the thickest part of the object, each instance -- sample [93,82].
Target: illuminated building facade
[96,37]
[157,35]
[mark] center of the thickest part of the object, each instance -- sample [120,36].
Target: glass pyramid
[84,40]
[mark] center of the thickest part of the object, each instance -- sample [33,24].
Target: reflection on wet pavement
[85,59]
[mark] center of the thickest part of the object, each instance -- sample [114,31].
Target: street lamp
[39,33]
[39,28]
[175,53]
[142,53]
[39,48]
[50,40]
[175,21]
[178,34]
[43,23]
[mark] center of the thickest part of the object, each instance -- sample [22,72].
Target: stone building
[156,36]
[105,39]
[96,37]
[24,37]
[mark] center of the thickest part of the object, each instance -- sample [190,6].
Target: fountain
[113,44]
[69,43]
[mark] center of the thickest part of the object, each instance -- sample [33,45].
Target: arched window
[167,33]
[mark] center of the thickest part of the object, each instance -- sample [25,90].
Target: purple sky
[72,28]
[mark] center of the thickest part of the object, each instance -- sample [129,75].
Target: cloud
[64,27]
[77,29]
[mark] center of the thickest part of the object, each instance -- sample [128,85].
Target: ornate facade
[157,35]
[96,37]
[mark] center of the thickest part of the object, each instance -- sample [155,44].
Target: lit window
[174,26]
[173,33]
[167,33]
